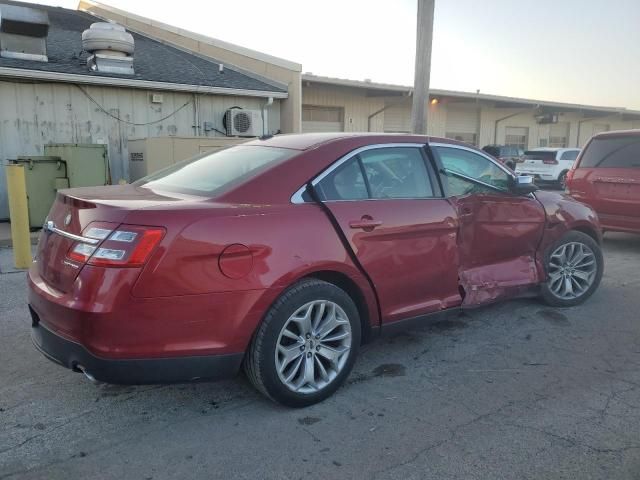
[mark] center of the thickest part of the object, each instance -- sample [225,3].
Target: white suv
[548,164]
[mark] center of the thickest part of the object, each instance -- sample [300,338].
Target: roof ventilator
[111,48]
[23,33]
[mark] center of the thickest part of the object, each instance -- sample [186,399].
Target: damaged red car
[282,255]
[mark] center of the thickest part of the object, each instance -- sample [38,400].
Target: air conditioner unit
[547,118]
[243,123]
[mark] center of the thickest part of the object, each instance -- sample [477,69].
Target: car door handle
[365,223]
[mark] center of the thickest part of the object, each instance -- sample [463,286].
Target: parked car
[281,255]
[607,177]
[506,154]
[549,165]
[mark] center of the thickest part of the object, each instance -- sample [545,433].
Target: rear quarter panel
[287,242]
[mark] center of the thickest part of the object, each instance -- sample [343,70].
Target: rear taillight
[550,161]
[126,246]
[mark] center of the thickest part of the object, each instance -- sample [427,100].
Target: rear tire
[562,181]
[306,345]
[574,267]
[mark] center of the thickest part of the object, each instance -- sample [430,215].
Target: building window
[517,137]
[462,137]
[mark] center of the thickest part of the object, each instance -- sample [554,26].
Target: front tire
[574,267]
[306,345]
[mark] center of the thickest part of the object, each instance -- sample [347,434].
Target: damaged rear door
[499,232]
[387,202]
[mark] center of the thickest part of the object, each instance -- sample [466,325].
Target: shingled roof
[153,61]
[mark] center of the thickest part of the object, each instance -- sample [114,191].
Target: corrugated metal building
[172,92]
[349,105]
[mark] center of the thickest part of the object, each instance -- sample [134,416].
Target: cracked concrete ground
[515,390]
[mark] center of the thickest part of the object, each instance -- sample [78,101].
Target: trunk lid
[73,211]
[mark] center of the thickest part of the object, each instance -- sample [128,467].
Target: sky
[576,51]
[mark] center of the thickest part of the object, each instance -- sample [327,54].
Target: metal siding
[462,120]
[397,118]
[34,114]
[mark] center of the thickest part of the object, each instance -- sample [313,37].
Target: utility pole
[424,40]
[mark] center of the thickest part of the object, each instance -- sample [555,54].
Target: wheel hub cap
[572,269]
[313,346]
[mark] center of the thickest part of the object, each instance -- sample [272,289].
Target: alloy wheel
[313,346]
[572,270]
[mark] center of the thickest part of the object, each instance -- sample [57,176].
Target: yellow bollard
[19,215]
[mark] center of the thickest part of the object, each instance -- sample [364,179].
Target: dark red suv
[283,254]
[607,176]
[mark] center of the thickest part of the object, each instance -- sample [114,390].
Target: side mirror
[523,185]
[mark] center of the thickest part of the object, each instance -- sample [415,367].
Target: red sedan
[282,255]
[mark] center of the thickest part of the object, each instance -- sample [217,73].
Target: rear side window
[612,152]
[344,183]
[396,173]
[210,173]
[570,155]
[384,173]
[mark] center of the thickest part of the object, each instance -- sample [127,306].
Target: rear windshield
[509,151]
[612,152]
[211,173]
[535,155]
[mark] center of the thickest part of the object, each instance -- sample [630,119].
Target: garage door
[462,124]
[322,119]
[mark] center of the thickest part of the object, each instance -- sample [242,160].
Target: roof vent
[23,33]
[111,47]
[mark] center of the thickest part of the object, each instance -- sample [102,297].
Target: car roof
[551,149]
[618,133]
[307,141]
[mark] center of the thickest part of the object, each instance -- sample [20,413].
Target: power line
[106,112]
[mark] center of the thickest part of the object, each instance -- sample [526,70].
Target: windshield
[210,173]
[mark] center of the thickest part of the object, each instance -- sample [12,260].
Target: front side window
[211,173]
[481,173]
[612,152]
[382,173]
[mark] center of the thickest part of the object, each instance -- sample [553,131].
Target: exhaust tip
[83,370]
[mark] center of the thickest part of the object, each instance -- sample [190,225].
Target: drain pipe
[378,112]
[374,114]
[495,128]
[265,115]
[196,115]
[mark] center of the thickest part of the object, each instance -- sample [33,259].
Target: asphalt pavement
[514,390]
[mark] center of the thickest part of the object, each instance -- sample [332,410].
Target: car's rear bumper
[72,355]
[538,176]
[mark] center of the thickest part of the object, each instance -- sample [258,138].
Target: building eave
[342,82]
[19,73]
